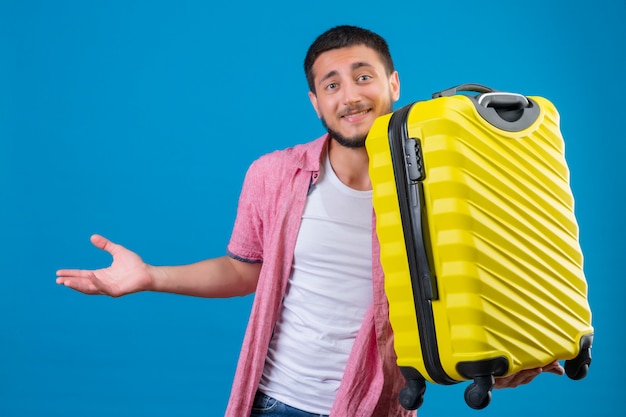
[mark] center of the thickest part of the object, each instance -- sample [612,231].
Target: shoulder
[305,156]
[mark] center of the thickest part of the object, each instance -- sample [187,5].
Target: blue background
[138,119]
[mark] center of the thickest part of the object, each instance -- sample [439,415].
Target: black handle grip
[474,88]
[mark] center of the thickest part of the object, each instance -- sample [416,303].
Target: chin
[354,141]
[349,142]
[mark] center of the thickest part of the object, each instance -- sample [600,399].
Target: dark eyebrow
[356,65]
[329,75]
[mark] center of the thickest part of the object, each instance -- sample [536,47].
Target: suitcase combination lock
[414,159]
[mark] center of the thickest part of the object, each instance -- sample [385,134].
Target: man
[318,341]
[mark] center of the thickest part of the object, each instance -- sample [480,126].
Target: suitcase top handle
[472,88]
[507,111]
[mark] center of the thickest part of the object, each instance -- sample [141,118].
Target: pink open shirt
[268,219]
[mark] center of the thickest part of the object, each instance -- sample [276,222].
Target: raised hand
[127,274]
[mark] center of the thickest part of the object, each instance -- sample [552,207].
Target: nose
[351,94]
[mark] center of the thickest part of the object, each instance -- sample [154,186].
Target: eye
[364,77]
[331,86]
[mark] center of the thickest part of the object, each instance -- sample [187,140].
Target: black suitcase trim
[409,174]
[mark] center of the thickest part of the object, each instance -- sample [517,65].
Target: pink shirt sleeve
[246,242]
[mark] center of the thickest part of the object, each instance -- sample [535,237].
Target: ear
[394,85]
[313,99]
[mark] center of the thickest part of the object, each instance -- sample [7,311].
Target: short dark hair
[342,37]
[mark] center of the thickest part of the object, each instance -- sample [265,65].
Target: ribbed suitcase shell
[503,238]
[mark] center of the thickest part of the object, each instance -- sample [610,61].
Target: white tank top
[328,294]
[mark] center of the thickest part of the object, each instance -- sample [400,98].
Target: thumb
[105,244]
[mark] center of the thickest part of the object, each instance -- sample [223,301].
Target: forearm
[213,278]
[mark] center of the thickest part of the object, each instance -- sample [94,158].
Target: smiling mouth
[356,114]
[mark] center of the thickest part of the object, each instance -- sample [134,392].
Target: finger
[87,282]
[554,368]
[105,244]
[85,286]
[525,377]
[73,273]
[517,379]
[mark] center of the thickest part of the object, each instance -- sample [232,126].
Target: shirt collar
[311,156]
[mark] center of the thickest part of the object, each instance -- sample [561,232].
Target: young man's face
[351,90]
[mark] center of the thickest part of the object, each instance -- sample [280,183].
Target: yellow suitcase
[479,242]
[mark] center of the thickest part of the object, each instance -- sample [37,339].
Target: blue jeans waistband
[266,406]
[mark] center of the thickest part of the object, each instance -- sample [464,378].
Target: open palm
[128,273]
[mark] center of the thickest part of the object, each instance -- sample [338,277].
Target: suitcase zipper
[409,173]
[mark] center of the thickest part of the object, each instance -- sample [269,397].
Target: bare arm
[218,277]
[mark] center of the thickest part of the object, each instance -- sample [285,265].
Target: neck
[350,165]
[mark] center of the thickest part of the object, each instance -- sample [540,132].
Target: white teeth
[356,114]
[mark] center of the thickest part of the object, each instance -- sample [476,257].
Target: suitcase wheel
[478,393]
[412,395]
[578,367]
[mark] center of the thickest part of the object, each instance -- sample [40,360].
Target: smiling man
[318,340]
